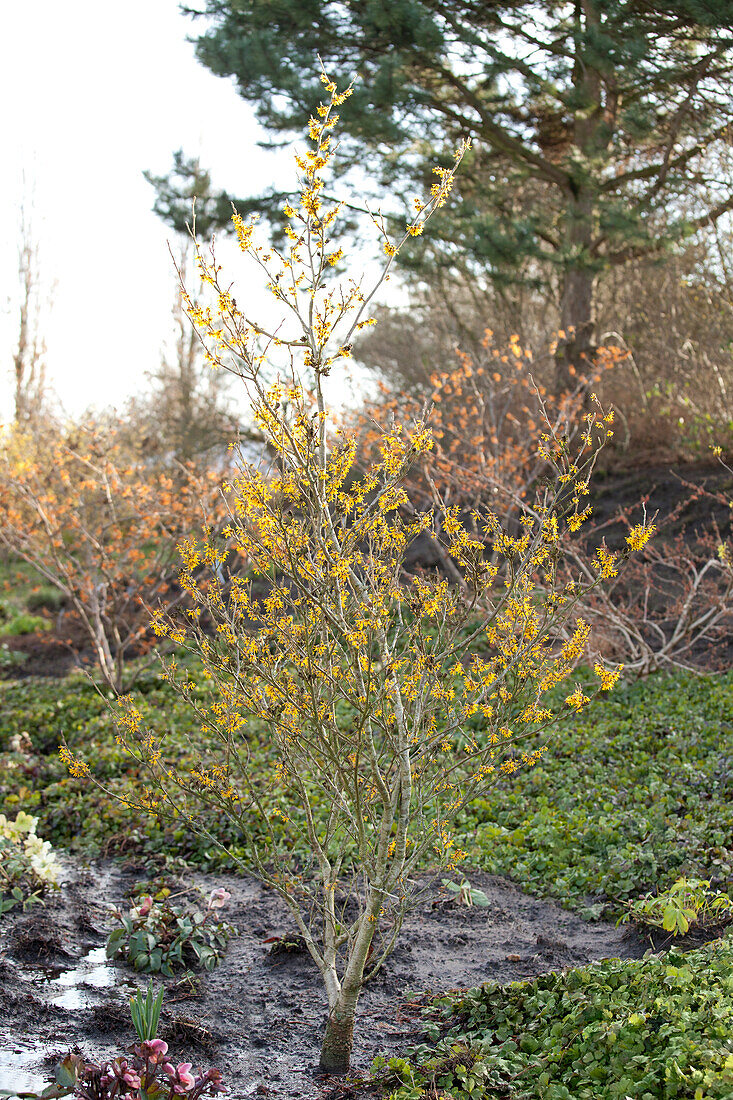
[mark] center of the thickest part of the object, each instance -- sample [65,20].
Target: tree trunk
[576,349]
[339,1038]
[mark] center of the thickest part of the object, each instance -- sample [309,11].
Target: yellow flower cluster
[577,700]
[639,535]
[76,766]
[606,564]
[607,676]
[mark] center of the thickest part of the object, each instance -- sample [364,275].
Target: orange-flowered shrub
[101,526]
[674,600]
[487,418]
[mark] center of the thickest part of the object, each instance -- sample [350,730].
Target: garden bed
[632,793]
[259,1016]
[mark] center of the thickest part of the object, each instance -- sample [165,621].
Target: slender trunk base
[338,1040]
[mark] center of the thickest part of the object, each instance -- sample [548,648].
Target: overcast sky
[93,93]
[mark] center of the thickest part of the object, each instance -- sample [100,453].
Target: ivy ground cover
[630,794]
[651,1029]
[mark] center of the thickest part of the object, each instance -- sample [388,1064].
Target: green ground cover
[631,794]
[73,813]
[26,606]
[650,1029]
[21,589]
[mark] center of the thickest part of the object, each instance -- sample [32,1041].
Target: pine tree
[589,118]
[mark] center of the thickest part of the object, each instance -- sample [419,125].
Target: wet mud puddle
[18,1069]
[72,988]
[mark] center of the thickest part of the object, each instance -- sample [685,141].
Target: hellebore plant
[390,700]
[157,937]
[145,1075]
[28,864]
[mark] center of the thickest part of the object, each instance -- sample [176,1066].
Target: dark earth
[259,1016]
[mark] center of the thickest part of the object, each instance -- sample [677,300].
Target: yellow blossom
[577,700]
[607,676]
[639,535]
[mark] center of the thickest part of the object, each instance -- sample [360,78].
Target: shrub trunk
[339,1038]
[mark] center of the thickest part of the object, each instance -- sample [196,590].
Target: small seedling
[466,894]
[689,903]
[286,945]
[145,1012]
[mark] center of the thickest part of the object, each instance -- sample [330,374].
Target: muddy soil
[667,488]
[259,1016]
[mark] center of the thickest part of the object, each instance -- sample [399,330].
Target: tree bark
[338,1040]
[575,347]
[339,1037]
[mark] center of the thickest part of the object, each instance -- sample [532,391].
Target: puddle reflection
[73,988]
[15,1073]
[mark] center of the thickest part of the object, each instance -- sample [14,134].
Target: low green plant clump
[634,792]
[157,937]
[11,659]
[45,598]
[24,623]
[465,894]
[688,905]
[28,865]
[145,1012]
[651,1029]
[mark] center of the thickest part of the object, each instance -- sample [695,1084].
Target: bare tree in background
[29,353]
[188,411]
[451,313]
[674,393]
[673,315]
